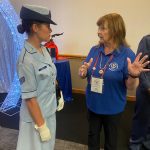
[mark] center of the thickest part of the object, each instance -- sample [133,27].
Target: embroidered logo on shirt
[113,66]
[22,80]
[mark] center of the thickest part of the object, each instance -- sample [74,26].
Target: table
[64,78]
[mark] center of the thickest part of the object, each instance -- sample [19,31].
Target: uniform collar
[29,48]
[39,57]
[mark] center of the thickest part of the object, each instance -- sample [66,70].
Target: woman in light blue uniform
[37,75]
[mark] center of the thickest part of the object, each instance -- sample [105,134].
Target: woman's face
[103,34]
[43,32]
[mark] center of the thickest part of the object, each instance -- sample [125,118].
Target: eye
[103,27]
[47,25]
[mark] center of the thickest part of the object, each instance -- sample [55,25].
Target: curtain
[7,56]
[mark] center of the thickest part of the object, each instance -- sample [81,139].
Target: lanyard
[102,70]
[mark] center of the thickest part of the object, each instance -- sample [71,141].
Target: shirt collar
[29,47]
[115,52]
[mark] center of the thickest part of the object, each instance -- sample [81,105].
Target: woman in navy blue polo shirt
[109,73]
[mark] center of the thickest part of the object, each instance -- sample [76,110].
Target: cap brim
[52,22]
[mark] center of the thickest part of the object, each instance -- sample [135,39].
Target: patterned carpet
[8,140]
[72,126]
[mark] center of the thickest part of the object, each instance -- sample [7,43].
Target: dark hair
[26,26]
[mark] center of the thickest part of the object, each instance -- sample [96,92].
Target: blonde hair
[116,28]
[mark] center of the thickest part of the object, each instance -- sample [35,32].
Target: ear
[35,28]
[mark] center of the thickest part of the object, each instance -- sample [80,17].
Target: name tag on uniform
[42,68]
[97,85]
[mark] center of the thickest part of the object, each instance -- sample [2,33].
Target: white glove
[44,132]
[60,103]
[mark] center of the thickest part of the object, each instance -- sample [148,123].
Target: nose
[50,30]
[99,32]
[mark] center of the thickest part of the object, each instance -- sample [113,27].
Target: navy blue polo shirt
[113,98]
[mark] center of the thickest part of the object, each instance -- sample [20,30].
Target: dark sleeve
[144,47]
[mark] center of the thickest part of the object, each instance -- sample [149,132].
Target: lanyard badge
[97,83]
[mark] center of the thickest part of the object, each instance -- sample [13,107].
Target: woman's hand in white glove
[60,103]
[44,132]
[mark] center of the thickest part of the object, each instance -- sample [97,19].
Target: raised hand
[84,67]
[138,65]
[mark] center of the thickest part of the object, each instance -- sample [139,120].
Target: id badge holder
[97,85]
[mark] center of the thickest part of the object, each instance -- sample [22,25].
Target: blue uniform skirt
[29,138]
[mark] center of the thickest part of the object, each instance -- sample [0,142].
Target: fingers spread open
[143,59]
[129,61]
[145,70]
[145,64]
[138,57]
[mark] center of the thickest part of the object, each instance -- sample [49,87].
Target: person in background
[110,68]
[140,133]
[37,76]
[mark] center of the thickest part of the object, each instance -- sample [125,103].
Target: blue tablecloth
[64,78]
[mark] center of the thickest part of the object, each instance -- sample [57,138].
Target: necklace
[101,69]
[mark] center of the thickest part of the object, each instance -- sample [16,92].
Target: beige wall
[77,82]
[77,19]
